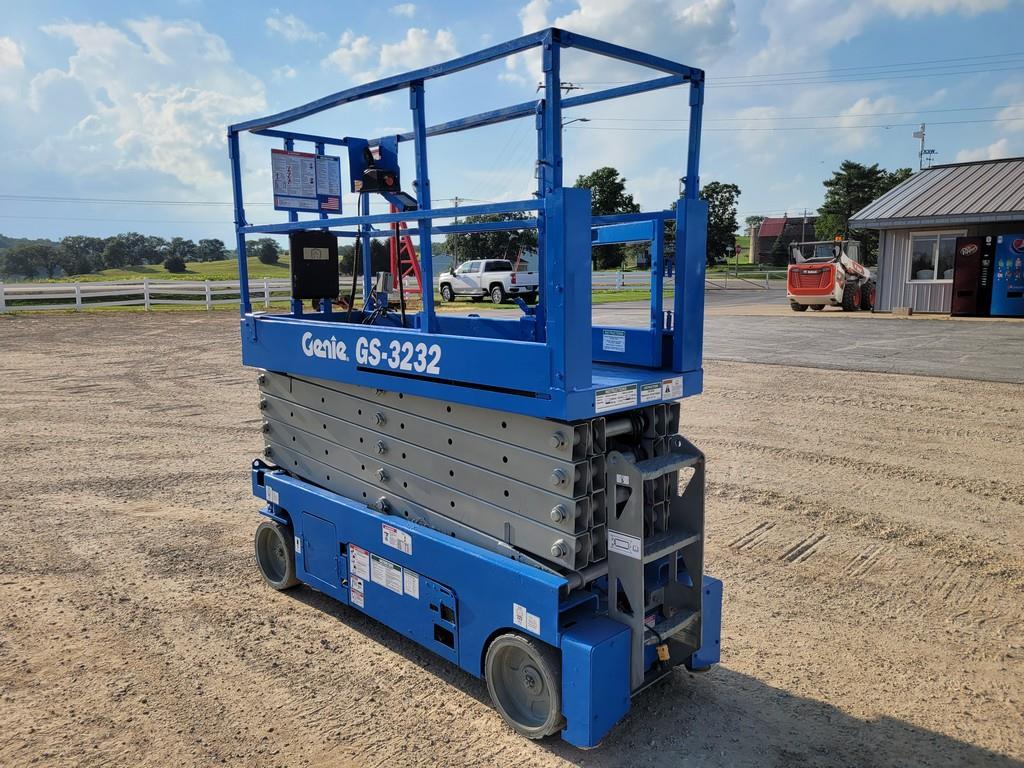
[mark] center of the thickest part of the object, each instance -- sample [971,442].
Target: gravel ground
[874,578]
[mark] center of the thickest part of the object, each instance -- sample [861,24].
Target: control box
[314,257]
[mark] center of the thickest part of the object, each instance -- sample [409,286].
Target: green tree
[123,250]
[29,259]
[175,263]
[849,189]
[265,249]
[607,196]
[211,249]
[722,223]
[778,257]
[153,251]
[181,248]
[82,254]
[753,221]
[465,246]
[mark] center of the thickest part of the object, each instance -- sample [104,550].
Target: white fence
[149,293]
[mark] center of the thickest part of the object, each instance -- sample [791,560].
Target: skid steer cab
[828,273]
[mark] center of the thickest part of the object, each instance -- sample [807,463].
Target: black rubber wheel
[851,297]
[524,679]
[447,294]
[530,298]
[275,555]
[497,294]
[867,297]
[797,307]
[817,307]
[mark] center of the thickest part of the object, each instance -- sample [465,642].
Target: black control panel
[314,257]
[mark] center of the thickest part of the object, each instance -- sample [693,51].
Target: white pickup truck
[496,278]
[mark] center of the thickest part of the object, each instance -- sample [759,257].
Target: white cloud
[284,73]
[12,66]
[365,60]
[155,97]
[408,10]
[994,151]
[291,28]
[860,114]
[10,55]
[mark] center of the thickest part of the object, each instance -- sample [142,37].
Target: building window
[931,256]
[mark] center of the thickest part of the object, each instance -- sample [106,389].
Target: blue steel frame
[535,365]
[464,596]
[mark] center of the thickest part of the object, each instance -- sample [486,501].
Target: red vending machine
[972,276]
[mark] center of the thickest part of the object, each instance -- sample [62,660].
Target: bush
[266,250]
[174,264]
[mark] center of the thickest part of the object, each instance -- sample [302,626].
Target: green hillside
[226,269]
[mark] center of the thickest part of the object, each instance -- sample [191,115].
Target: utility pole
[922,153]
[452,257]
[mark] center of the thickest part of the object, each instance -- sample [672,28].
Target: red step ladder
[403,257]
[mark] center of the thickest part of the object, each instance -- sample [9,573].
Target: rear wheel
[447,294]
[817,307]
[275,555]
[851,297]
[867,297]
[797,306]
[497,294]
[524,680]
[530,298]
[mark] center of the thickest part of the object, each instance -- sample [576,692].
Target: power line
[739,118]
[801,127]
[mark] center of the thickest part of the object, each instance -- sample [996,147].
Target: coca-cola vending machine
[1008,283]
[972,276]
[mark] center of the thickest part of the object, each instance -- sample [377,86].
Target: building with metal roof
[920,220]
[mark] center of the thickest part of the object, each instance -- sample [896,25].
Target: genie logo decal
[330,349]
[969,250]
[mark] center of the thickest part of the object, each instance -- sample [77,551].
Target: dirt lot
[874,584]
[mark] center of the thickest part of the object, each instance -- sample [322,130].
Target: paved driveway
[758,327]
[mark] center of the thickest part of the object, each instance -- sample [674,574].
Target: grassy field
[226,269]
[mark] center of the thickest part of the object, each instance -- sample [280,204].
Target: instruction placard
[359,562]
[386,574]
[306,182]
[615,398]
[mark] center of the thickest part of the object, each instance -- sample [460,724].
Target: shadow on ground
[722,718]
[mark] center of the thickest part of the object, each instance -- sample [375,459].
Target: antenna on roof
[923,153]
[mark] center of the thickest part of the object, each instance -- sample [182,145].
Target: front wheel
[817,307]
[275,555]
[851,297]
[524,680]
[447,294]
[867,297]
[497,294]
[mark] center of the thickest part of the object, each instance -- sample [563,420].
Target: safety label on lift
[412,584]
[523,618]
[393,537]
[386,574]
[359,562]
[355,591]
[672,389]
[649,393]
[613,340]
[614,398]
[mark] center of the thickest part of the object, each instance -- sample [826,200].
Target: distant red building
[791,230]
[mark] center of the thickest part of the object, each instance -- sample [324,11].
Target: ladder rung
[671,626]
[651,469]
[668,543]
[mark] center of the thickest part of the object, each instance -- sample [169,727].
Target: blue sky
[128,101]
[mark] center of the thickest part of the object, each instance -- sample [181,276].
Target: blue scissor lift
[511,493]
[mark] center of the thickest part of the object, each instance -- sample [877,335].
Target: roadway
[757,326]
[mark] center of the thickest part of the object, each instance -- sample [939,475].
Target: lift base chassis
[417,581]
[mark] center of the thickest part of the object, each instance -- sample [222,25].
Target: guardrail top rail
[551,361]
